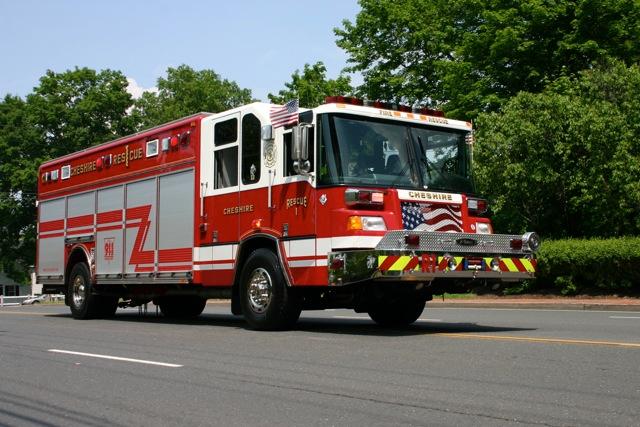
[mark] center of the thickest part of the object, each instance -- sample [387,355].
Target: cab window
[250,149]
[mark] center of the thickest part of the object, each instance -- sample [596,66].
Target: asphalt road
[454,367]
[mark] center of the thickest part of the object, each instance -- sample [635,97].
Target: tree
[67,112]
[17,188]
[79,108]
[566,162]
[186,91]
[470,56]
[312,87]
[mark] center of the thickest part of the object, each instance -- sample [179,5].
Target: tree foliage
[471,56]
[73,110]
[17,188]
[186,91]
[66,112]
[566,162]
[312,86]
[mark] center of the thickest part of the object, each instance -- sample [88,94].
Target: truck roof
[124,139]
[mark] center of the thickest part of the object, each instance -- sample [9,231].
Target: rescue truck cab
[348,206]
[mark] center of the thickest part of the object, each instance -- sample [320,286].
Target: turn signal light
[366,223]
[516,244]
[412,239]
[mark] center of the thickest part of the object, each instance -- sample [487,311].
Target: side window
[226,167]
[250,149]
[288,161]
[225,157]
[225,132]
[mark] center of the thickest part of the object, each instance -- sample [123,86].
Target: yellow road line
[539,340]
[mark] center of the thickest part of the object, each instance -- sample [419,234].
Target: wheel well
[77,255]
[246,248]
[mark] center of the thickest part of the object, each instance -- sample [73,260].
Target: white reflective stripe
[303,247]
[202,254]
[323,245]
[223,266]
[321,262]
[214,253]
[302,263]
[369,242]
[223,252]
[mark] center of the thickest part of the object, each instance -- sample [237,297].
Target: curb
[536,306]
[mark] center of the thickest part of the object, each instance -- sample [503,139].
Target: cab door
[219,178]
[254,177]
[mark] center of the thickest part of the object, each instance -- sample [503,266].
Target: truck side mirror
[300,149]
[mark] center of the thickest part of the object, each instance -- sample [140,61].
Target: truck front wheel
[267,302]
[398,312]
[84,304]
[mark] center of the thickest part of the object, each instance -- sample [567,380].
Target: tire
[267,303]
[82,302]
[399,312]
[182,307]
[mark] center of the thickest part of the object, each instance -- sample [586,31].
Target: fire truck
[366,206]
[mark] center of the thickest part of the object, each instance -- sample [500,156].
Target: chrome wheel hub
[79,290]
[259,290]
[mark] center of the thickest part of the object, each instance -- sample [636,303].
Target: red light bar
[431,112]
[343,100]
[364,198]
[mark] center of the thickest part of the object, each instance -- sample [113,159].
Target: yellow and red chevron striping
[412,263]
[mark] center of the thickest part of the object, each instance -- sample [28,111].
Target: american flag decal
[282,115]
[431,217]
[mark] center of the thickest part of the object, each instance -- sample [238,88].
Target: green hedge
[594,266]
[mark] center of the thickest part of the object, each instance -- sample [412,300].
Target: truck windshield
[356,150]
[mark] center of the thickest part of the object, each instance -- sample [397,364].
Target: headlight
[366,223]
[373,223]
[531,241]
[483,228]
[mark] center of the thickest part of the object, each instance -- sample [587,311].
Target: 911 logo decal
[109,246]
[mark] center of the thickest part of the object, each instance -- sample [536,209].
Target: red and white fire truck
[346,205]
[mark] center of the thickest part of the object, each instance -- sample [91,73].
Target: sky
[257,44]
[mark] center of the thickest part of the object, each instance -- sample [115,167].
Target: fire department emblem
[269,154]
[109,244]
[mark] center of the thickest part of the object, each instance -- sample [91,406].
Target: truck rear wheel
[182,307]
[267,302]
[397,312]
[82,302]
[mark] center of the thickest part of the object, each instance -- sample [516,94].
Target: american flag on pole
[282,115]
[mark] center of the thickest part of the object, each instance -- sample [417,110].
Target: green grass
[454,296]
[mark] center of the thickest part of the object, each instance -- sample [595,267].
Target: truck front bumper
[401,256]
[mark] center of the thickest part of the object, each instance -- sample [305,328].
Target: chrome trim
[434,241]
[362,266]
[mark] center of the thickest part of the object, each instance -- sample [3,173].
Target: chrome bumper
[434,256]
